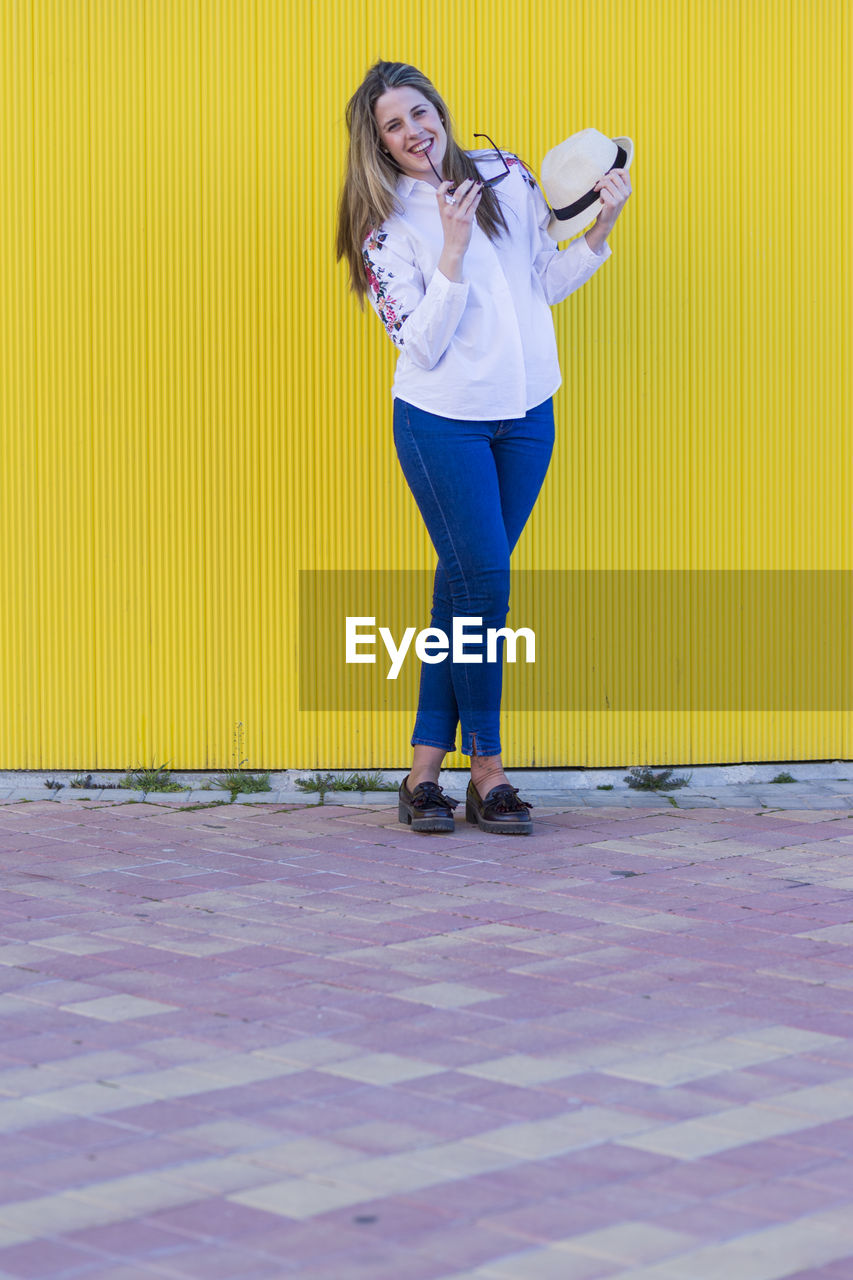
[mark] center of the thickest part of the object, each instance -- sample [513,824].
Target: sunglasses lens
[490,182]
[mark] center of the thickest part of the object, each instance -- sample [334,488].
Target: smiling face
[410,127]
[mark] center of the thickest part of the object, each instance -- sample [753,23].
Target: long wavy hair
[368,194]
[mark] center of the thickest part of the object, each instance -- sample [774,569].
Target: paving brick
[381,1068]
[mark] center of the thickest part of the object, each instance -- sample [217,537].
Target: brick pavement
[248,1042]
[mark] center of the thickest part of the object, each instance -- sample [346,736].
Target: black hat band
[585,202]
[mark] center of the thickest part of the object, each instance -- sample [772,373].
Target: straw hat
[570,171]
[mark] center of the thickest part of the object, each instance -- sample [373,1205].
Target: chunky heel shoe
[502,813]
[426,808]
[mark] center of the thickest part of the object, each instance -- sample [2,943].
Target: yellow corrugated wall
[194,411]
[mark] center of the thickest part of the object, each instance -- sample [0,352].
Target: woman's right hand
[457,219]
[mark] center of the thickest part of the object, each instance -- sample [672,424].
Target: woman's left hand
[615,188]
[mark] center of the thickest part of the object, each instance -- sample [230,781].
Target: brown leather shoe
[502,813]
[426,808]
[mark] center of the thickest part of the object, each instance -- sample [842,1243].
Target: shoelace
[505,799]
[427,795]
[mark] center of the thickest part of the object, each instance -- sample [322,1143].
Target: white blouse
[483,347]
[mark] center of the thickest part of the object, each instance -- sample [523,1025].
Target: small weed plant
[238,780]
[325,782]
[645,779]
[153,778]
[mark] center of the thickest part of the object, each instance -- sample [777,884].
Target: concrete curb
[819,784]
[778,797]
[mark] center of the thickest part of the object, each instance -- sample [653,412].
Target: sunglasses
[499,177]
[485,182]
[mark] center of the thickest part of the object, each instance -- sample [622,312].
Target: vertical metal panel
[194,410]
[180,446]
[61,719]
[116,439]
[20,645]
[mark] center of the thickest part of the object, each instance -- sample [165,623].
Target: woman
[451,248]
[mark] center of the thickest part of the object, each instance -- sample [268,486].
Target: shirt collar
[405,183]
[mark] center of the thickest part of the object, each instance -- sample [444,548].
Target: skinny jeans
[475,484]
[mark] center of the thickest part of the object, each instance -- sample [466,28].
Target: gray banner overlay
[605,640]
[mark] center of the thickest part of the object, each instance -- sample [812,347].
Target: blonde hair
[368,194]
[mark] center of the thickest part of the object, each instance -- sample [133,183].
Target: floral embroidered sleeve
[525,172]
[420,318]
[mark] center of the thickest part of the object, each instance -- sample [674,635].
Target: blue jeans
[475,484]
